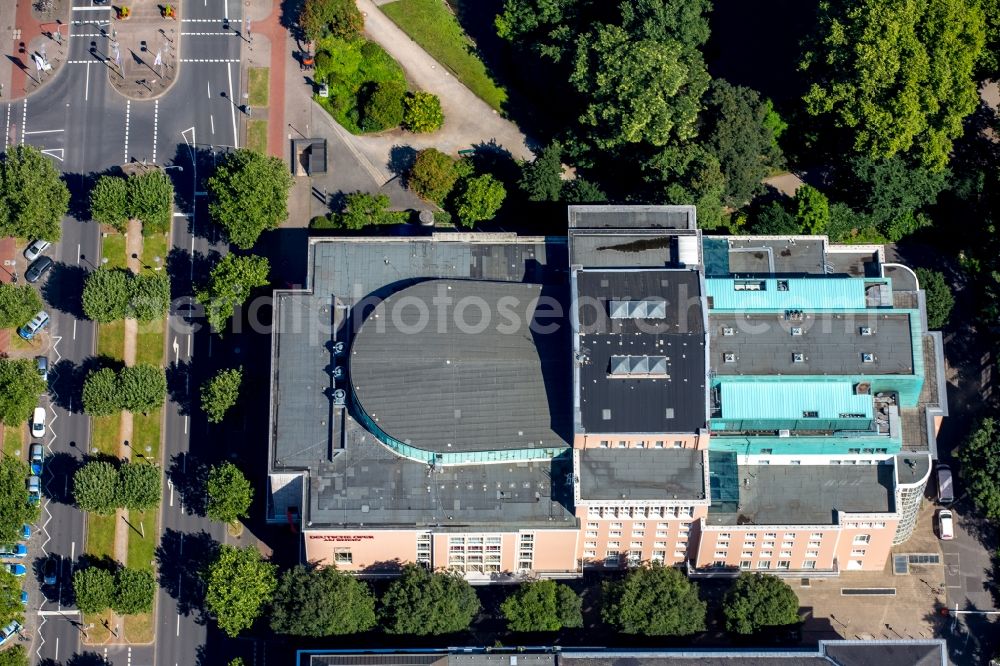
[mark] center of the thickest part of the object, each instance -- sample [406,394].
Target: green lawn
[113,249]
[142,551]
[146,432]
[154,245]
[149,345]
[13,441]
[431,24]
[349,68]
[111,339]
[104,434]
[258,86]
[257,135]
[100,535]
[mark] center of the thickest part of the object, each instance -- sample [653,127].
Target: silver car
[36,249]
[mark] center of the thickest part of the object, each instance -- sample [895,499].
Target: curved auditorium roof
[434,373]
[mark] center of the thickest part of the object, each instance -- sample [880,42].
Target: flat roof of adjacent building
[792,400]
[486,373]
[831,344]
[670,402]
[749,256]
[804,494]
[366,484]
[632,217]
[641,474]
[614,248]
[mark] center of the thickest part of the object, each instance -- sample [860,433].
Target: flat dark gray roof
[832,344]
[673,404]
[805,494]
[641,474]
[467,382]
[632,217]
[614,248]
[367,484]
[738,255]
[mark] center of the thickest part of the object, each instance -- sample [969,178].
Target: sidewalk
[7,252]
[29,34]
[267,48]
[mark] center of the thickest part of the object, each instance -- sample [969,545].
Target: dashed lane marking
[128,112]
[208,34]
[24,120]
[156,120]
[6,136]
[216,60]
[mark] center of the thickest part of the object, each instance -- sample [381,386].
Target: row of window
[642,444]
[640,512]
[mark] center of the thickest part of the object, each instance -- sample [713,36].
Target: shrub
[433,175]
[422,112]
[340,18]
[383,106]
[938,297]
[364,210]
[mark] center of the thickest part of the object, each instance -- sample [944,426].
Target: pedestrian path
[45,34]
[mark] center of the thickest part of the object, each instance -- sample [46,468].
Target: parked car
[31,329]
[13,551]
[50,570]
[324,90]
[36,457]
[36,249]
[25,532]
[38,422]
[42,365]
[8,632]
[945,485]
[38,268]
[24,597]
[946,525]
[16,569]
[34,489]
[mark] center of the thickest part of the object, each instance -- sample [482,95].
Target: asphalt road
[86,127]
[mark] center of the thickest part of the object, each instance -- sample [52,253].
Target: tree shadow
[290,18]
[401,159]
[181,559]
[66,380]
[194,165]
[80,185]
[186,271]
[88,659]
[64,289]
[59,470]
[189,474]
[178,385]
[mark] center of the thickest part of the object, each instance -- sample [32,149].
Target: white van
[946,525]
[945,485]
[38,422]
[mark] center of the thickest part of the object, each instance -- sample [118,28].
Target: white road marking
[57,647]
[185,425]
[63,613]
[208,34]
[171,486]
[44,131]
[72,551]
[189,346]
[218,60]
[86,87]
[57,153]
[203,20]
[77,253]
[232,106]
[178,624]
[128,112]
[225,9]
[156,122]
[91,9]
[208,89]
[211,119]
[6,136]
[74,329]
[24,119]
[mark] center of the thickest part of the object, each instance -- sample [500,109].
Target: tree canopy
[340,18]
[15,509]
[147,197]
[110,294]
[812,210]
[938,297]
[541,179]
[20,386]
[94,588]
[422,112]
[757,601]
[134,591]
[11,608]
[636,89]
[654,601]
[542,605]
[432,175]
[101,487]
[229,493]
[138,486]
[18,304]
[34,197]
[422,603]
[321,602]
[478,199]
[139,388]
[249,195]
[109,202]
[738,135]
[230,283]
[980,456]
[239,583]
[897,75]
[15,655]
[220,392]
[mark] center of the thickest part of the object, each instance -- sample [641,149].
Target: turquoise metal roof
[822,293]
[791,400]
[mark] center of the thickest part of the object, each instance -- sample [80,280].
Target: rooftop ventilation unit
[796,330]
[645,309]
[638,366]
[866,330]
[338,348]
[339,397]
[337,372]
[867,357]
[798,357]
[728,331]
[729,357]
